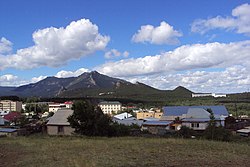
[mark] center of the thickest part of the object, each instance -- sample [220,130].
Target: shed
[58,124]
[156,127]
[8,132]
[243,132]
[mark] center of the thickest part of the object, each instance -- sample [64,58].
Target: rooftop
[180,110]
[7,130]
[157,122]
[109,102]
[60,117]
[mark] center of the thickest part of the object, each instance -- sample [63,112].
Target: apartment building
[8,105]
[110,107]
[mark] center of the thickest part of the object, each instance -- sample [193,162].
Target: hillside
[92,84]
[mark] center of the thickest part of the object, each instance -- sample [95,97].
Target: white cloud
[163,34]
[10,80]
[13,80]
[186,57]
[37,79]
[125,54]
[114,53]
[239,22]
[65,74]
[232,79]
[5,46]
[54,47]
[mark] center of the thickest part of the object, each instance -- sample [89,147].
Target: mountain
[91,84]
[181,91]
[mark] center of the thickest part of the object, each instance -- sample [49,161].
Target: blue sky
[202,45]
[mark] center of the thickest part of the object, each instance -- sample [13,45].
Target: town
[51,118]
[126,83]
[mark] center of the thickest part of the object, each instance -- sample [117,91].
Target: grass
[125,151]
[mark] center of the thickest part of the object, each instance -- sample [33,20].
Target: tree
[36,108]
[213,132]
[209,132]
[89,120]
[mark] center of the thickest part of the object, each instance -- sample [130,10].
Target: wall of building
[109,108]
[202,126]
[53,130]
[143,115]
[8,105]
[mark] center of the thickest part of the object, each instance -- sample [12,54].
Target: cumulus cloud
[5,46]
[239,22]
[54,47]
[163,34]
[113,53]
[37,79]
[186,57]
[231,79]
[65,74]
[10,80]
[13,80]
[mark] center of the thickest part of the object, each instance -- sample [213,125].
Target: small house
[156,127]
[58,124]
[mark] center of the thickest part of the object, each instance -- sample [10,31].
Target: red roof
[68,102]
[12,115]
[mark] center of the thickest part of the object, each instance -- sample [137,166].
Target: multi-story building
[8,105]
[110,107]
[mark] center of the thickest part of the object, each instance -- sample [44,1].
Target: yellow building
[143,115]
[8,105]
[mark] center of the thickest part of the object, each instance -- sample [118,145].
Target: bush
[186,132]
[217,133]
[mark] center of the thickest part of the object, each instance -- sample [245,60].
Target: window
[60,129]
[195,125]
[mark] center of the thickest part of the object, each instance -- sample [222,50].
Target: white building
[54,107]
[110,107]
[219,95]
[208,95]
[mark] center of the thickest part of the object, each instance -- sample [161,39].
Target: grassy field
[125,151]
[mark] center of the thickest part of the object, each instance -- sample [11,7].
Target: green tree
[89,120]
[213,132]
[209,132]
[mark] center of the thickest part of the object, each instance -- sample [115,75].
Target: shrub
[186,132]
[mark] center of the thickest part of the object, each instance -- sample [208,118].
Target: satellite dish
[178,127]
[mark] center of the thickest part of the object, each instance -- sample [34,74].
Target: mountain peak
[94,72]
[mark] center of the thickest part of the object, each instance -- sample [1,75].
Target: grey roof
[7,130]
[60,117]
[197,113]
[157,123]
[180,110]
[109,102]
